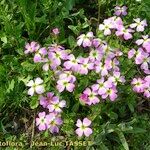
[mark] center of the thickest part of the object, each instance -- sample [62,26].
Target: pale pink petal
[79,123]
[70,87]
[88,132]
[79,132]
[39,89]
[86,122]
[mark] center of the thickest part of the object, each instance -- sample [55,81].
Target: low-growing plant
[77,79]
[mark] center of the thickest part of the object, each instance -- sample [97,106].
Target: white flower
[139,25]
[35,86]
[106,26]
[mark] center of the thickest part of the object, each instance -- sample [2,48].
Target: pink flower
[55,47]
[85,65]
[72,63]
[85,40]
[143,59]
[106,26]
[139,25]
[121,10]
[83,98]
[92,98]
[83,127]
[35,86]
[116,78]
[31,47]
[58,56]
[100,88]
[41,122]
[99,67]
[65,83]
[138,85]
[53,122]
[117,22]
[147,86]
[45,101]
[68,75]
[39,55]
[56,105]
[145,42]
[126,33]
[50,63]
[95,55]
[111,92]
[56,31]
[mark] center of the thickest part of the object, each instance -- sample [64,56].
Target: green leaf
[4,39]
[103,146]
[34,103]
[74,29]
[28,66]
[11,86]
[75,107]
[71,41]
[123,140]
[69,4]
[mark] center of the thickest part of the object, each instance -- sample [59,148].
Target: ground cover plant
[74,74]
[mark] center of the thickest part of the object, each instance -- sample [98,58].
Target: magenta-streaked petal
[87,91]
[95,87]
[113,96]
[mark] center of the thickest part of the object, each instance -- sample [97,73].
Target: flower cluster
[103,60]
[100,59]
[142,58]
[52,120]
[50,57]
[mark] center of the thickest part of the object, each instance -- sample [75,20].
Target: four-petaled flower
[139,25]
[83,127]
[35,86]
[41,122]
[121,10]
